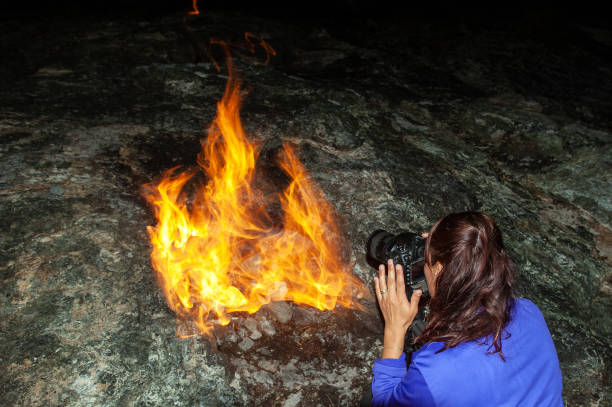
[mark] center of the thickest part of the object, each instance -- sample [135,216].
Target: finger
[377,289]
[400,285]
[414,301]
[390,275]
[382,279]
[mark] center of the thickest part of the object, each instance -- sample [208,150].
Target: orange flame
[194,5]
[216,250]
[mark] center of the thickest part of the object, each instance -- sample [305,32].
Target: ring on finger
[383,291]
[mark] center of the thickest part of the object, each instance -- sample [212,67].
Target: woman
[481,346]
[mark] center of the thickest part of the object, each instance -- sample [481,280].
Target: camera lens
[375,246]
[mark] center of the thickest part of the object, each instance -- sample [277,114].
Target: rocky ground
[399,122]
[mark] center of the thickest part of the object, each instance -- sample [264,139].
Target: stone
[268,328]
[246,344]
[398,126]
[293,400]
[251,325]
[305,316]
[281,311]
[56,191]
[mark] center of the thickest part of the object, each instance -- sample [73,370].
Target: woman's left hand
[397,311]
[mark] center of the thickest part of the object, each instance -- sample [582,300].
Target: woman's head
[470,277]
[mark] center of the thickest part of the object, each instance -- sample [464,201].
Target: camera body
[407,249]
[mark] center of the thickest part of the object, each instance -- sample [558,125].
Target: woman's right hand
[397,310]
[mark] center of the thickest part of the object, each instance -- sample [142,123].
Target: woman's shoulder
[525,303]
[525,308]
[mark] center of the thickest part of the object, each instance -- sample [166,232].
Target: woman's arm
[393,386]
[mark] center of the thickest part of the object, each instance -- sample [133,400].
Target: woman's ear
[437,268]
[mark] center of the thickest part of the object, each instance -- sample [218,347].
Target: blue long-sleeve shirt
[467,376]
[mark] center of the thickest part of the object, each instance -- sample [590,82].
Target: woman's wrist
[396,332]
[392,352]
[393,343]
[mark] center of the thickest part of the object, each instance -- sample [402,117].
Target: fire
[216,249]
[194,6]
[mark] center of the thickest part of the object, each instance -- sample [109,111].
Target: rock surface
[398,123]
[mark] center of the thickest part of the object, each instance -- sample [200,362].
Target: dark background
[336,10]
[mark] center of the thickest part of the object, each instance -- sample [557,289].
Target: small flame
[217,251]
[194,6]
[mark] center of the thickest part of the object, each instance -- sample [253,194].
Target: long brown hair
[473,292]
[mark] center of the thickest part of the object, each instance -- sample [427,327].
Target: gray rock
[397,126]
[305,316]
[251,324]
[293,400]
[268,328]
[246,344]
[281,311]
[56,190]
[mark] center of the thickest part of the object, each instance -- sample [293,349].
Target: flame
[194,6]
[216,249]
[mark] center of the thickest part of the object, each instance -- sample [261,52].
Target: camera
[407,249]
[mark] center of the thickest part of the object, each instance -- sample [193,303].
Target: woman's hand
[397,311]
